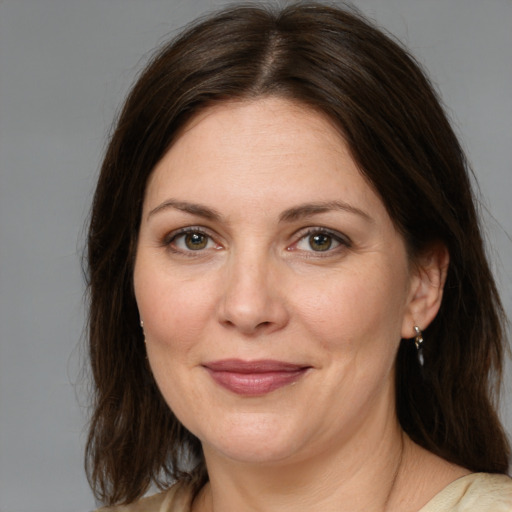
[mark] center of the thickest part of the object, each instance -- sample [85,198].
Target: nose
[253,299]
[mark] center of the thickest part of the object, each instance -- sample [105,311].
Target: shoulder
[177,498]
[478,492]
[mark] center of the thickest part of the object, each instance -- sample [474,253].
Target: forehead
[257,150]
[256,117]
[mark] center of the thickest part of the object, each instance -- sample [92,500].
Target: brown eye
[320,241]
[195,241]
[190,240]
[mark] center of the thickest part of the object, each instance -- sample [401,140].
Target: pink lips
[254,377]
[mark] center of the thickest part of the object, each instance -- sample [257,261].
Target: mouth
[253,378]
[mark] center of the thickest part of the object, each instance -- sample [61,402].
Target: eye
[190,239]
[195,241]
[320,240]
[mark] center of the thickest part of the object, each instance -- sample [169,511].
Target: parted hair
[336,62]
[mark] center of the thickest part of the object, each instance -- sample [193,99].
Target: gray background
[65,66]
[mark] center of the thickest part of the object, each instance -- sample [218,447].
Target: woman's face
[273,286]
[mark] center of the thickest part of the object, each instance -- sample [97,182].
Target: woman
[290,304]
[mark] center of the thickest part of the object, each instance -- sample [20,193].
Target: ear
[428,276]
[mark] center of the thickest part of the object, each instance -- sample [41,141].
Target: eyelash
[342,241]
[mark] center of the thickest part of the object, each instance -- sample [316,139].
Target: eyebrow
[310,209]
[185,206]
[289,215]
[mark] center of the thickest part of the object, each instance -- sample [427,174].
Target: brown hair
[337,63]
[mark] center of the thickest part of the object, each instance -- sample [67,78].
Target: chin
[252,440]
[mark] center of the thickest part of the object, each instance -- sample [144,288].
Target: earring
[142,327]
[418,341]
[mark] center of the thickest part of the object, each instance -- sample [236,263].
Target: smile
[253,378]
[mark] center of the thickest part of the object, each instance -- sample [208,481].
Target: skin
[246,281]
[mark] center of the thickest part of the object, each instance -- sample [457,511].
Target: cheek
[353,310]
[175,314]
[174,310]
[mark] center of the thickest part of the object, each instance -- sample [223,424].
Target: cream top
[478,492]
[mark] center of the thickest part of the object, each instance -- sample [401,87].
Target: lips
[254,378]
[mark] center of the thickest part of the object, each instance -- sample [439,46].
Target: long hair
[337,63]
